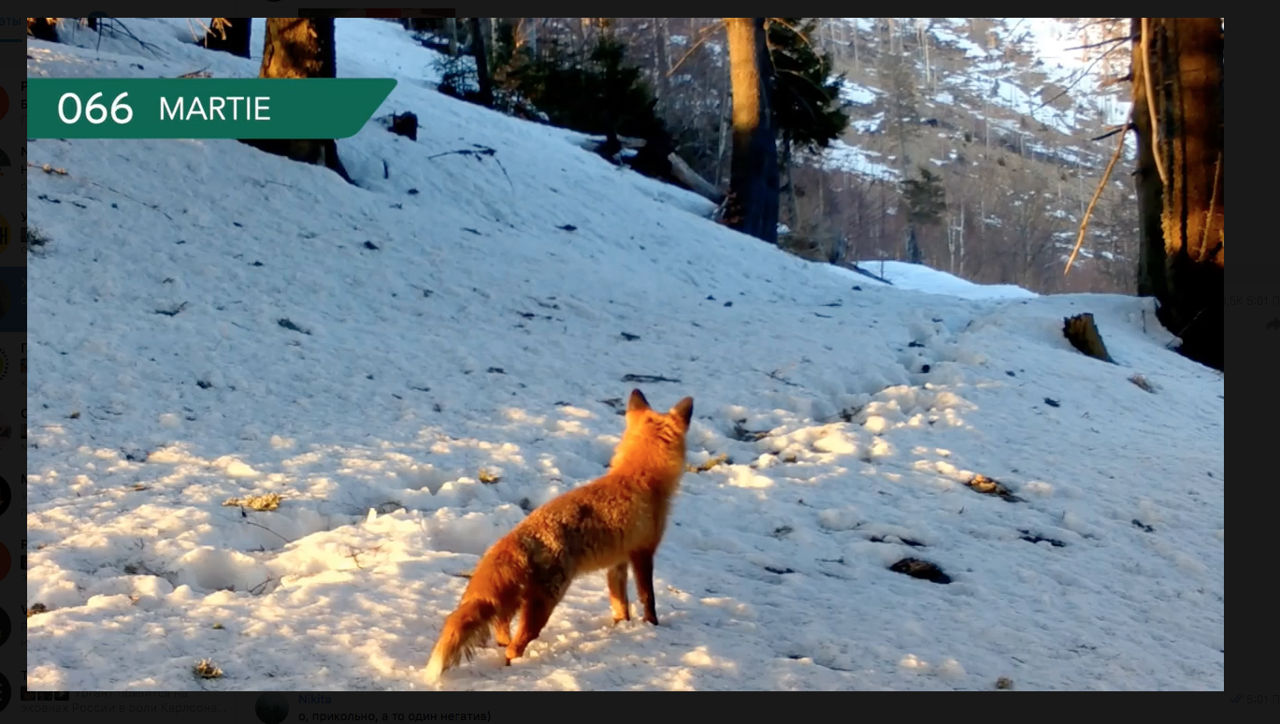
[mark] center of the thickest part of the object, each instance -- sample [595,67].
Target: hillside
[413,362]
[1005,110]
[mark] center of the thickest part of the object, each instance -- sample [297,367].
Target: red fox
[615,519]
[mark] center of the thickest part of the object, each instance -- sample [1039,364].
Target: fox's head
[654,440]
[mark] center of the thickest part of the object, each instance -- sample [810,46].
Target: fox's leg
[508,605]
[642,562]
[502,630]
[538,604]
[618,593]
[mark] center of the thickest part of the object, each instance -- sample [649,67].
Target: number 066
[93,111]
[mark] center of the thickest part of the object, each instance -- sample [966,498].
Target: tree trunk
[857,67]
[232,37]
[661,63]
[753,177]
[853,35]
[1151,271]
[913,247]
[682,172]
[723,133]
[517,35]
[793,206]
[43,29]
[525,35]
[298,48]
[1182,215]
[880,233]
[301,48]
[451,30]
[480,49]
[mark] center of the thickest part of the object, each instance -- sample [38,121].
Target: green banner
[202,107]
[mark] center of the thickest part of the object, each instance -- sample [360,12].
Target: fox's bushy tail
[494,590]
[464,630]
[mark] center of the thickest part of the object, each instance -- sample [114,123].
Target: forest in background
[964,111]
[965,144]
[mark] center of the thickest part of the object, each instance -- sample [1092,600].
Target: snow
[1001,91]
[946,36]
[920,278]
[1051,42]
[844,157]
[1065,62]
[425,392]
[856,93]
[868,125]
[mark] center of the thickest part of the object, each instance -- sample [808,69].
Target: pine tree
[807,111]
[925,200]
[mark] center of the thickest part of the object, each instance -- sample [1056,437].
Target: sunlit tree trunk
[753,176]
[1178,112]
[301,48]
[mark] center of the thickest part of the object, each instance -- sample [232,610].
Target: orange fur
[612,521]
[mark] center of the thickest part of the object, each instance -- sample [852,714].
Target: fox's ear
[684,410]
[637,402]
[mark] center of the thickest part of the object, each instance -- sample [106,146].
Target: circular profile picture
[6,495]
[4,102]
[271,708]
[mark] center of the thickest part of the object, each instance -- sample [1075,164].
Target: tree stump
[405,124]
[1083,335]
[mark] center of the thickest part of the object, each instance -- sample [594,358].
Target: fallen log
[690,179]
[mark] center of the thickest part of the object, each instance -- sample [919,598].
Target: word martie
[203,107]
[254,108]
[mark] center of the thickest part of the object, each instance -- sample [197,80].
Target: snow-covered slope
[918,277]
[412,363]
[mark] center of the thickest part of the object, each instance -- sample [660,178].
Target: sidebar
[13,358]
